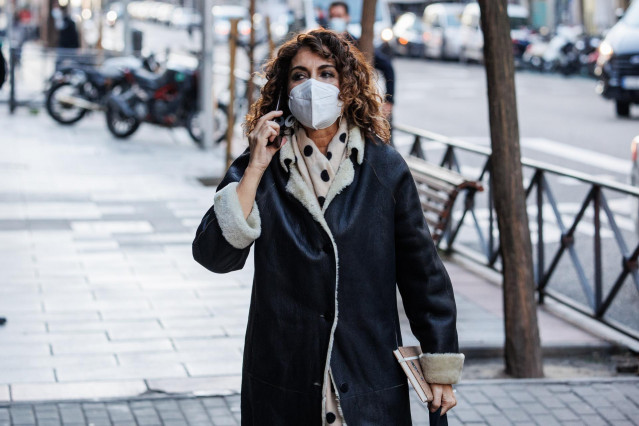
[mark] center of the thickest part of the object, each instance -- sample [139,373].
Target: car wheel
[623,109]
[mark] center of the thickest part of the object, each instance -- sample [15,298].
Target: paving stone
[49,422]
[534,408]
[496,421]
[593,420]
[486,409]
[546,420]
[551,402]
[504,402]
[148,420]
[564,414]
[468,415]
[521,396]
[611,414]
[516,414]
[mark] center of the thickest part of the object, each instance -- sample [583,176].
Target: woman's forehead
[307,58]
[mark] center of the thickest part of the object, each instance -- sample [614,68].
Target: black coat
[369,236]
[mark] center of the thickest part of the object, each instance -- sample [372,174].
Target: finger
[446,408]
[437,399]
[448,400]
[275,125]
[270,135]
[271,115]
[277,148]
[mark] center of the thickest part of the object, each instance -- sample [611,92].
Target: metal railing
[599,283]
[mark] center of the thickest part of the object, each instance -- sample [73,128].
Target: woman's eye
[298,76]
[328,74]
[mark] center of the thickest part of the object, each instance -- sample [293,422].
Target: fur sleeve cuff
[239,232]
[443,369]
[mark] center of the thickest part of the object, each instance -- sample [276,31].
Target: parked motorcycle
[168,99]
[568,52]
[75,89]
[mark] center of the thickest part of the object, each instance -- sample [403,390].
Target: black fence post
[540,234]
[597,249]
[12,80]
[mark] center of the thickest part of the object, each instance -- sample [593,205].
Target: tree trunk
[365,43]
[522,347]
[48,32]
[251,54]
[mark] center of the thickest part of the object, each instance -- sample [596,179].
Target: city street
[104,300]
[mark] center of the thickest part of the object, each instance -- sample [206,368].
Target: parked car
[618,62]
[472,39]
[408,36]
[442,23]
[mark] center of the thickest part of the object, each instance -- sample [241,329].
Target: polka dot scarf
[317,169]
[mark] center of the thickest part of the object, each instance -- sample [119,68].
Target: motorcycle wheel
[120,126]
[194,126]
[63,113]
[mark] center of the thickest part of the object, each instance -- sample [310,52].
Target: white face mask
[315,104]
[337,24]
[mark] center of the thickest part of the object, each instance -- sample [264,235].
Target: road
[562,120]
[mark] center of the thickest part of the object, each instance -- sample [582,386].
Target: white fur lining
[239,232]
[443,369]
[344,177]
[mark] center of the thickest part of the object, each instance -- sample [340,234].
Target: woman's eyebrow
[299,67]
[321,67]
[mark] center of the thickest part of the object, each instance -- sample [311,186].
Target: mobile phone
[277,142]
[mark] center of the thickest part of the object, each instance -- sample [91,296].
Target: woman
[337,224]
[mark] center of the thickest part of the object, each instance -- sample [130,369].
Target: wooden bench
[438,188]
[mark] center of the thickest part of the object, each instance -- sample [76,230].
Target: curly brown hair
[358,90]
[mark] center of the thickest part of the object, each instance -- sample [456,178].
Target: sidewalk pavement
[102,297]
[494,403]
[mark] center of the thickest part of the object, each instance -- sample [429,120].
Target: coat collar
[297,187]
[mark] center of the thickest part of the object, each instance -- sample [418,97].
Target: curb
[479,352]
[544,381]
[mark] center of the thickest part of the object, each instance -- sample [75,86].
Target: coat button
[328,316]
[330,418]
[343,387]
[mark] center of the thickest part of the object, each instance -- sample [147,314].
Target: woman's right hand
[264,132]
